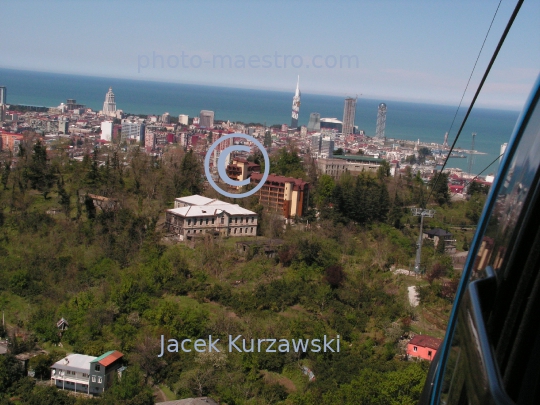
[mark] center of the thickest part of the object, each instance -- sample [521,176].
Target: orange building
[9,141]
[285,195]
[241,169]
[423,346]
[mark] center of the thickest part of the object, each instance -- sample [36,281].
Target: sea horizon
[427,122]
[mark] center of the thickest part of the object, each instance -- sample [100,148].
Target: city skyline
[414,51]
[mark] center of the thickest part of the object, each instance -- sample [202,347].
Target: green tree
[287,163]
[465,246]
[40,173]
[129,389]
[396,211]
[477,188]
[439,185]
[191,179]
[6,169]
[422,154]
[48,395]
[474,207]
[384,170]
[324,190]
[65,198]
[10,371]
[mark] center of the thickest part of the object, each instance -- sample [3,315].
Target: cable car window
[494,352]
[499,237]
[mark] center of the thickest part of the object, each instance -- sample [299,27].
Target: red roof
[299,184]
[239,159]
[111,358]
[426,341]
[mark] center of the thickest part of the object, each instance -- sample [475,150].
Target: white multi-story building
[133,129]
[106,130]
[327,147]
[87,374]
[195,215]
[109,106]
[183,119]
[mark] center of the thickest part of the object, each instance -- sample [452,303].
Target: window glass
[495,250]
[510,200]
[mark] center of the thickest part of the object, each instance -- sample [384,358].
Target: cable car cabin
[491,351]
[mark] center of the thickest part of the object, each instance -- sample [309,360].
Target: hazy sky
[396,50]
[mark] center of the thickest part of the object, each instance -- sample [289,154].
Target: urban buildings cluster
[336,146]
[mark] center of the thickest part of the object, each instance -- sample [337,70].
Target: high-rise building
[445,143]
[183,119]
[63,125]
[327,147]
[381,121]
[314,123]
[109,106]
[316,144]
[107,130]
[206,119]
[3,91]
[348,116]
[166,118]
[133,130]
[296,105]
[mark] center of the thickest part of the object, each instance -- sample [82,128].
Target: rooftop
[210,210]
[437,232]
[358,158]
[200,200]
[190,401]
[426,341]
[274,178]
[80,362]
[108,358]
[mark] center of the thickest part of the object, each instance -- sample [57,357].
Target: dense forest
[121,283]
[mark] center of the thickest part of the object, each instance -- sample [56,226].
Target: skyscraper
[206,119]
[109,106]
[314,123]
[296,105]
[327,147]
[2,95]
[2,103]
[381,121]
[316,144]
[348,116]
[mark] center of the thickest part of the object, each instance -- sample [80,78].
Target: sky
[414,50]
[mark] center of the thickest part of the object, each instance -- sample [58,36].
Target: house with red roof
[423,346]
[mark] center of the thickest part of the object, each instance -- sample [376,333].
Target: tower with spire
[296,105]
[109,106]
[445,143]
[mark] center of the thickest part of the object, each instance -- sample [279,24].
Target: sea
[404,120]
